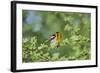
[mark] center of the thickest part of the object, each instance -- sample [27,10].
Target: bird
[55,39]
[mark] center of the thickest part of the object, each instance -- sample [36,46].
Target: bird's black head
[52,37]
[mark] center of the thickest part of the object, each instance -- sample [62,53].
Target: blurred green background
[38,26]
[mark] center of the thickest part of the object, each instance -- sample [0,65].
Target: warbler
[55,39]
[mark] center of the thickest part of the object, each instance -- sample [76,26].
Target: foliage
[75,28]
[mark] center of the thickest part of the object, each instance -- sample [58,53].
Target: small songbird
[55,39]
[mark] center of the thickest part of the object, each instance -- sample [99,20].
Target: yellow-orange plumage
[58,38]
